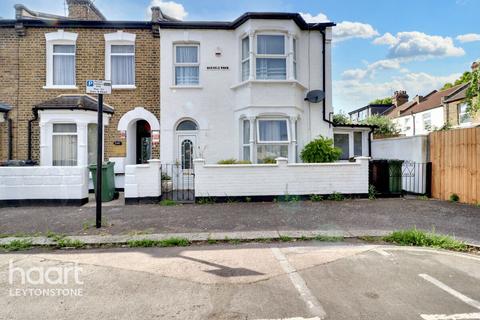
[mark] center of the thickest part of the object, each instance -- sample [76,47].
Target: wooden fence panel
[455,156]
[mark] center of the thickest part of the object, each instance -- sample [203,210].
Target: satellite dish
[315,96]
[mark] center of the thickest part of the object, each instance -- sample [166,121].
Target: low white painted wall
[281,178]
[412,148]
[143,180]
[43,183]
[414,151]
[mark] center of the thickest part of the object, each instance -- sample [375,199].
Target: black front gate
[178,182]
[394,177]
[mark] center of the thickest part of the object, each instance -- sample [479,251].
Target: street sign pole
[98,193]
[99,87]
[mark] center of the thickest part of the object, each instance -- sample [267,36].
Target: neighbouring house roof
[377,106]
[5,107]
[244,18]
[22,12]
[460,94]
[354,125]
[166,22]
[432,101]
[73,102]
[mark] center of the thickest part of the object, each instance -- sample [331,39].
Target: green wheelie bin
[108,180]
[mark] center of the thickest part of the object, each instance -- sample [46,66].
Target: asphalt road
[382,214]
[309,280]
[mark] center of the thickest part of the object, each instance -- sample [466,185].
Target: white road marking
[453,292]
[458,316]
[382,252]
[310,300]
[297,318]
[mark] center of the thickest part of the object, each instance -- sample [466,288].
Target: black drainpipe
[10,139]
[324,41]
[35,118]
[370,142]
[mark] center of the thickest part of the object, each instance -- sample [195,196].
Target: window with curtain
[245,58]
[357,144]
[63,65]
[92,143]
[246,140]
[342,141]
[271,60]
[187,66]
[64,144]
[273,139]
[122,64]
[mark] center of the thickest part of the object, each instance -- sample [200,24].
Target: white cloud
[469,37]
[170,8]
[314,19]
[386,39]
[418,45]
[371,69]
[348,30]
[351,94]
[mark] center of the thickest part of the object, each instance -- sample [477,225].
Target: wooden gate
[455,156]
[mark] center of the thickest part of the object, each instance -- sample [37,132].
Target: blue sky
[381,45]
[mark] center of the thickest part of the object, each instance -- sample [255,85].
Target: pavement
[308,280]
[348,218]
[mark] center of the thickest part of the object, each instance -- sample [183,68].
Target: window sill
[124,87]
[60,87]
[288,81]
[185,87]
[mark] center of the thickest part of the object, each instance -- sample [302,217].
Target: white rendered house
[237,89]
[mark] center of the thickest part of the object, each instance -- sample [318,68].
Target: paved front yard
[351,215]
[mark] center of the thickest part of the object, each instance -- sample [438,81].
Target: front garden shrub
[233,161]
[320,150]
[268,160]
[454,197]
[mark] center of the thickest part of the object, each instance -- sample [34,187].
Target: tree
[320,150]
[473,93]
[385,125]
[387,100]
[341,118]
[465,78]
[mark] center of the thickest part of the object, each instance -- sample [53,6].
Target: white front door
[186,150]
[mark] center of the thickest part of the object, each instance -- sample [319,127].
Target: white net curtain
[64,65]
[123,64]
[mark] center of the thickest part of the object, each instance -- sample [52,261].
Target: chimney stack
[84,10]
[399,98]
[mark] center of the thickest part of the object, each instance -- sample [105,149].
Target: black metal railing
[178,183]
[390,177]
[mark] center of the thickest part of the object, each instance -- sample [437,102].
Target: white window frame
[59,37]
[294,58]
[424,120]
[119,38]
[247,59]
[65,134]
[259,120]
[177,64]
[283,56]
[460,114]
[246,144]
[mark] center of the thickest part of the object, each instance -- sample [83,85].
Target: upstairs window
[123,65]
[63,65]
[427,121]
[60,69]
[187,66]
[245,58]
[294,58]
[271,60]
[120,59]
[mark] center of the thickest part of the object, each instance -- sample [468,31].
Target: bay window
[92,143]
[271,60]
[64,144]
[246,140]
[245,58]
[294,58]
[122,65]
[187,65]
[272,139]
